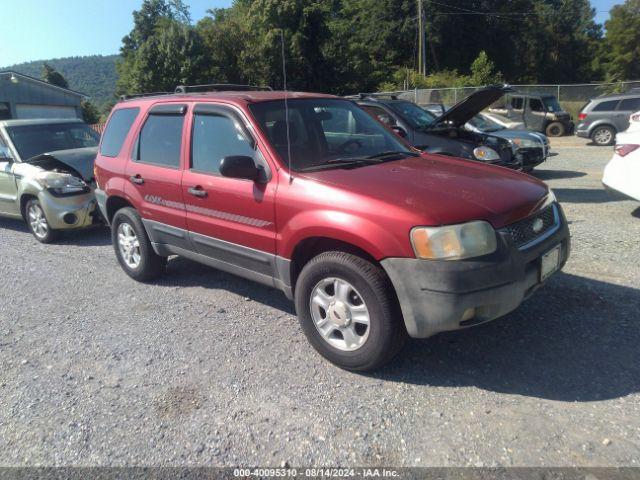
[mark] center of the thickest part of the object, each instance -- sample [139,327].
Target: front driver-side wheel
[38,224]
[133,247]
[348,311]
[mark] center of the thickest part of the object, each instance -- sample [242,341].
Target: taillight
[582,116]
[625,149]
[635,117]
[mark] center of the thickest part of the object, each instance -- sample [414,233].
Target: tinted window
[380,114]
[116,131]
[216,137]
[629,104]
[160,140]
[605,106]
[516,102]
[322,130]
[536,105]
[412,113]
[32,140]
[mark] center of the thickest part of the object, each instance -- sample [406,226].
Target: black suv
[445,134]
[539,112]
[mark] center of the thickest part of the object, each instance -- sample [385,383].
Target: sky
[45,29]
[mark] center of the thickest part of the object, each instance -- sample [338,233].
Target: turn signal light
[625,149]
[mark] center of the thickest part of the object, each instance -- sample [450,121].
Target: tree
[162,51]
[90,113]
[621,49]
[52,76]
[483,71]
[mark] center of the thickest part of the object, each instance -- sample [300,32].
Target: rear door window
[608,106]
[629,104]
[116,131]
[160,140]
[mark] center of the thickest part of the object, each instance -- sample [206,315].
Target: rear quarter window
[629,104]
[608,106]
[117,130]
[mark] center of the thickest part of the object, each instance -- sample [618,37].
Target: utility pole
[422,50]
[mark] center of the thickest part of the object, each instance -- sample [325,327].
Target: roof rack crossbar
[129,96]
[362,96]
[220,87]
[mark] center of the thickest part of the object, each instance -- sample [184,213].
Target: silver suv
[603,117]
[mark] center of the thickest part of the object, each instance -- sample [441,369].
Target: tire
[603,136]
[527,169]
[38,224]
[368,286]
[133,248]
[555,129]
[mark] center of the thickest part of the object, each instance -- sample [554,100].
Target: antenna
[286,105]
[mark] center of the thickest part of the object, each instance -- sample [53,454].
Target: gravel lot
[202,368]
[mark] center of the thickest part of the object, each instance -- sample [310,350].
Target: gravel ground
[202,368]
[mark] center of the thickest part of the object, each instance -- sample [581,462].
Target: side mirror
[398,130]
[239,166]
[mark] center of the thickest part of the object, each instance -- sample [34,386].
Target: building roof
[29,78]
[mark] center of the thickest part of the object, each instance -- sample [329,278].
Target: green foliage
[621,49]
[483,71]
[52,76]
[90,113]
[95,76]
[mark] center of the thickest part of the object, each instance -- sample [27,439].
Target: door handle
[137,179]
[197,191]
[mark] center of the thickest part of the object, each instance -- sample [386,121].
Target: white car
[622,173]
[634,122]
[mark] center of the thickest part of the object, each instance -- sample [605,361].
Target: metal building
[22,96]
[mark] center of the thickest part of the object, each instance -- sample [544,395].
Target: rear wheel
[603,136]
[555,129]
[38,224]
[348,311]
[133,247]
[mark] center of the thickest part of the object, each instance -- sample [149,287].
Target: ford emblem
[537,225]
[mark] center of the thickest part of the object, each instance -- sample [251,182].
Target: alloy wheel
[37,221]
[603,136]
[129,245]
[340,314]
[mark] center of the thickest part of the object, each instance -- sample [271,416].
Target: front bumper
[436,296]
[69,212]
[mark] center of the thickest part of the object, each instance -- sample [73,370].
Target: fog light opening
[70,218]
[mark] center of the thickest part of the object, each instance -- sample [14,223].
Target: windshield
[416,117]
[484,124]
[32,140]
[552,104]
[324,131]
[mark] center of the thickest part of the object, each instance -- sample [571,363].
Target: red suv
[308,194]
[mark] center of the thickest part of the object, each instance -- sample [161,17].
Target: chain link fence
[571,97]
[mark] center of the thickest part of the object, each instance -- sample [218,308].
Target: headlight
[454,242]
[527,143]
[486,154]
[61,183]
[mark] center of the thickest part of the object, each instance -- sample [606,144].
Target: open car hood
[79,160]
[465,110]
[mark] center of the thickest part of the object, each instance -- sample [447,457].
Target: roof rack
[362,96]
[220,87]
[129,96]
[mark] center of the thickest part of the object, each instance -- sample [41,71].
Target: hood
[79,159]
[443,190]
[465,110]
[510,134]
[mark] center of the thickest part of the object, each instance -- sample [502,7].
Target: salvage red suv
[307,193]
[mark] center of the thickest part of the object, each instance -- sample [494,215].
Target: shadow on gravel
[185,273]
[585,195]
[636,213]
[574,340]
[557,174]
[95,236]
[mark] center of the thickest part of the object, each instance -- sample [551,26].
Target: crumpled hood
[443,190]
[511,134]
[466,109]
[79,159]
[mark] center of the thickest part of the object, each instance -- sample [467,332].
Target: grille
[522,232]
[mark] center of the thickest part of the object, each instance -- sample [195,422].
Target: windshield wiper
[392,153]
[351,161]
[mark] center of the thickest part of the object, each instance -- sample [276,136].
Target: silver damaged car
[46,175]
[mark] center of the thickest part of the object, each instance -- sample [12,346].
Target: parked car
[445,134]
[531,148]
[539,112]
[622,173]
[314,197]
[46,175]
[634,122]
[603,117]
